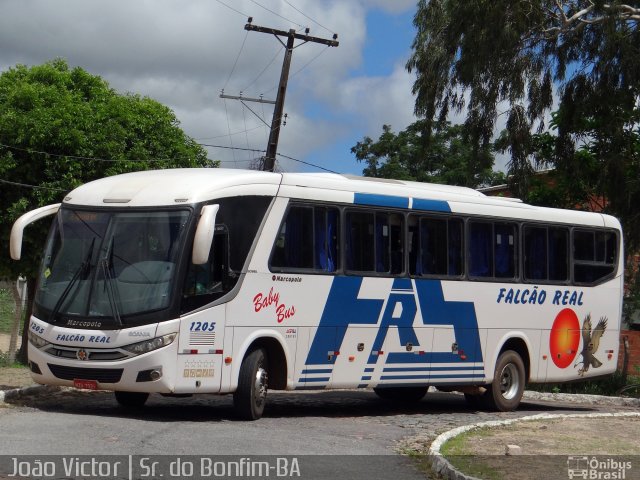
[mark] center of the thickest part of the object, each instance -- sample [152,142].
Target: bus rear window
[594,254]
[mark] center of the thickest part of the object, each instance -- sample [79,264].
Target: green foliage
[7,311]
[495,57]
[442,156]
[609,386]
[76,118]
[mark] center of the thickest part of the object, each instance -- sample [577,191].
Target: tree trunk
[31,288]
[17,321]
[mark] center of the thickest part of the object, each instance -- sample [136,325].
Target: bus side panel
[550,320]
[286,306]
[583,340]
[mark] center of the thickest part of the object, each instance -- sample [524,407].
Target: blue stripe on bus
[322,370]
[380,200]
[428,377]
[367,370]
[432,205]
[426,357]
[309,380]
[430,369]
[363,385]
[367,377]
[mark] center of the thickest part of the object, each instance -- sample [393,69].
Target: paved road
[295,423]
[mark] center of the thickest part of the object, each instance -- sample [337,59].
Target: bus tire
[251,395]
[505,393]
[402,394]
[131,399]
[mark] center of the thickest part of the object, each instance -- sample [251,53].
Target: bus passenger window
[326,239]
[375,242]
[360,241]
[505,250]
[558,254]
[546,254]
[594,255]
[440,247]
[480,249]
[535,249]
[308,240]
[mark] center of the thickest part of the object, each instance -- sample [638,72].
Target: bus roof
[194,185]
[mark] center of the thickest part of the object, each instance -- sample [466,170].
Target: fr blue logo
[344,308]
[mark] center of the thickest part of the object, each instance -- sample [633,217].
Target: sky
[184,53]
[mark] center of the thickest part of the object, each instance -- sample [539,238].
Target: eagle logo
[590,344]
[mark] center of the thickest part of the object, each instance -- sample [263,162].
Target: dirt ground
[14,377]
[549,448]
[564,436]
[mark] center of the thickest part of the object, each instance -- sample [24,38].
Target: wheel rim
[509,381]
[260,387]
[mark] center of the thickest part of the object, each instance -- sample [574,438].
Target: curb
[441,465]
[582,398]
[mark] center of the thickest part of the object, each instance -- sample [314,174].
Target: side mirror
[204,234]
[17,231]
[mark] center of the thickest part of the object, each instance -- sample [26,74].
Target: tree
[523,59]
[61,127]
[444,158]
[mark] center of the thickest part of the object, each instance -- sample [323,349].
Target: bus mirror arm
[17,231]
[204,234]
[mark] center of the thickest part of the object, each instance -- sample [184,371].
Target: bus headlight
[37,341]
[150,345]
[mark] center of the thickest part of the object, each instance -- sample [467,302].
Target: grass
[4,361]
[456,451]
[7,311]
[606,386]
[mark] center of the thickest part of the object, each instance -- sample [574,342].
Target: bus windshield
[109,266]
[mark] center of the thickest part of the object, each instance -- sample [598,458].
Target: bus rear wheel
[251,395]
[401,394]
[505,393]
[131,399]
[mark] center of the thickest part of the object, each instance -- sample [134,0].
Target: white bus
[228,281]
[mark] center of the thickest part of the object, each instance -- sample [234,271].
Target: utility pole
[276,122]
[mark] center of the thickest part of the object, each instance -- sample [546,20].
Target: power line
[308,17]
[239,132]
[264,69]
[306,163]
[301,69]
[231,8]
[31,186]
[229,127]
[277,14]
[95,159]
[226,147]
[232,148]
[233,69]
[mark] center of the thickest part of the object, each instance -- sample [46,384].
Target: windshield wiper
[112,292]
[65,293]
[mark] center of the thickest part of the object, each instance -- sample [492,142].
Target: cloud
[183,53]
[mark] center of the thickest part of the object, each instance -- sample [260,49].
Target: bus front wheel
[251,395]
[131,399]
[505,393]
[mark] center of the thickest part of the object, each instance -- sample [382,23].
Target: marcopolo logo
[597,468]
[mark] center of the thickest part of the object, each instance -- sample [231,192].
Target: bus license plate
[85,384]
